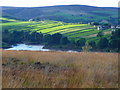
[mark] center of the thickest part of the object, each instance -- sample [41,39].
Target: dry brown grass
[88,70]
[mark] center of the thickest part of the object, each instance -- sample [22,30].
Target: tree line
[60,41]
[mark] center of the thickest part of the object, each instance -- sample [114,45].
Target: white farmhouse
[99,27]
[30,20]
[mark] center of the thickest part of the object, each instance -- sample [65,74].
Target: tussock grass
[86,70]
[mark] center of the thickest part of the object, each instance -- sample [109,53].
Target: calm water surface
[31,47]
[28,47]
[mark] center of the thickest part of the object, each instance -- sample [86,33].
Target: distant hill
[65,13]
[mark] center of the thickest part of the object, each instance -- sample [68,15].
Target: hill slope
[65,13]
[4,20]
[72,31]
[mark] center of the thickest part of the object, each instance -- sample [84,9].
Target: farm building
[101,27]
[30,20]
[115,27]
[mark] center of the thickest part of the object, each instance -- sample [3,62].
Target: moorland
[93,31]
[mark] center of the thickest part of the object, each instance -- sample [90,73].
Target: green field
[71,30]
[7,20]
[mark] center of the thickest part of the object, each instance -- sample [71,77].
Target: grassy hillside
[71,30]
[65,13]
[32,69]
[4,20]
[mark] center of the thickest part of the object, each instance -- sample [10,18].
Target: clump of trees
[80,43]
[100,23]
[107,45]
[15,37]
[115,40]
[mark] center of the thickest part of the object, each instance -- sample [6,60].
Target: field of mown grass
[72,31]
[37,69]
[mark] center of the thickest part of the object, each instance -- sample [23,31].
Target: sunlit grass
[86,70]
[71,30]
[7,19]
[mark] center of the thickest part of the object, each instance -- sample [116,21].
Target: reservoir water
[28,47]
[32,48]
